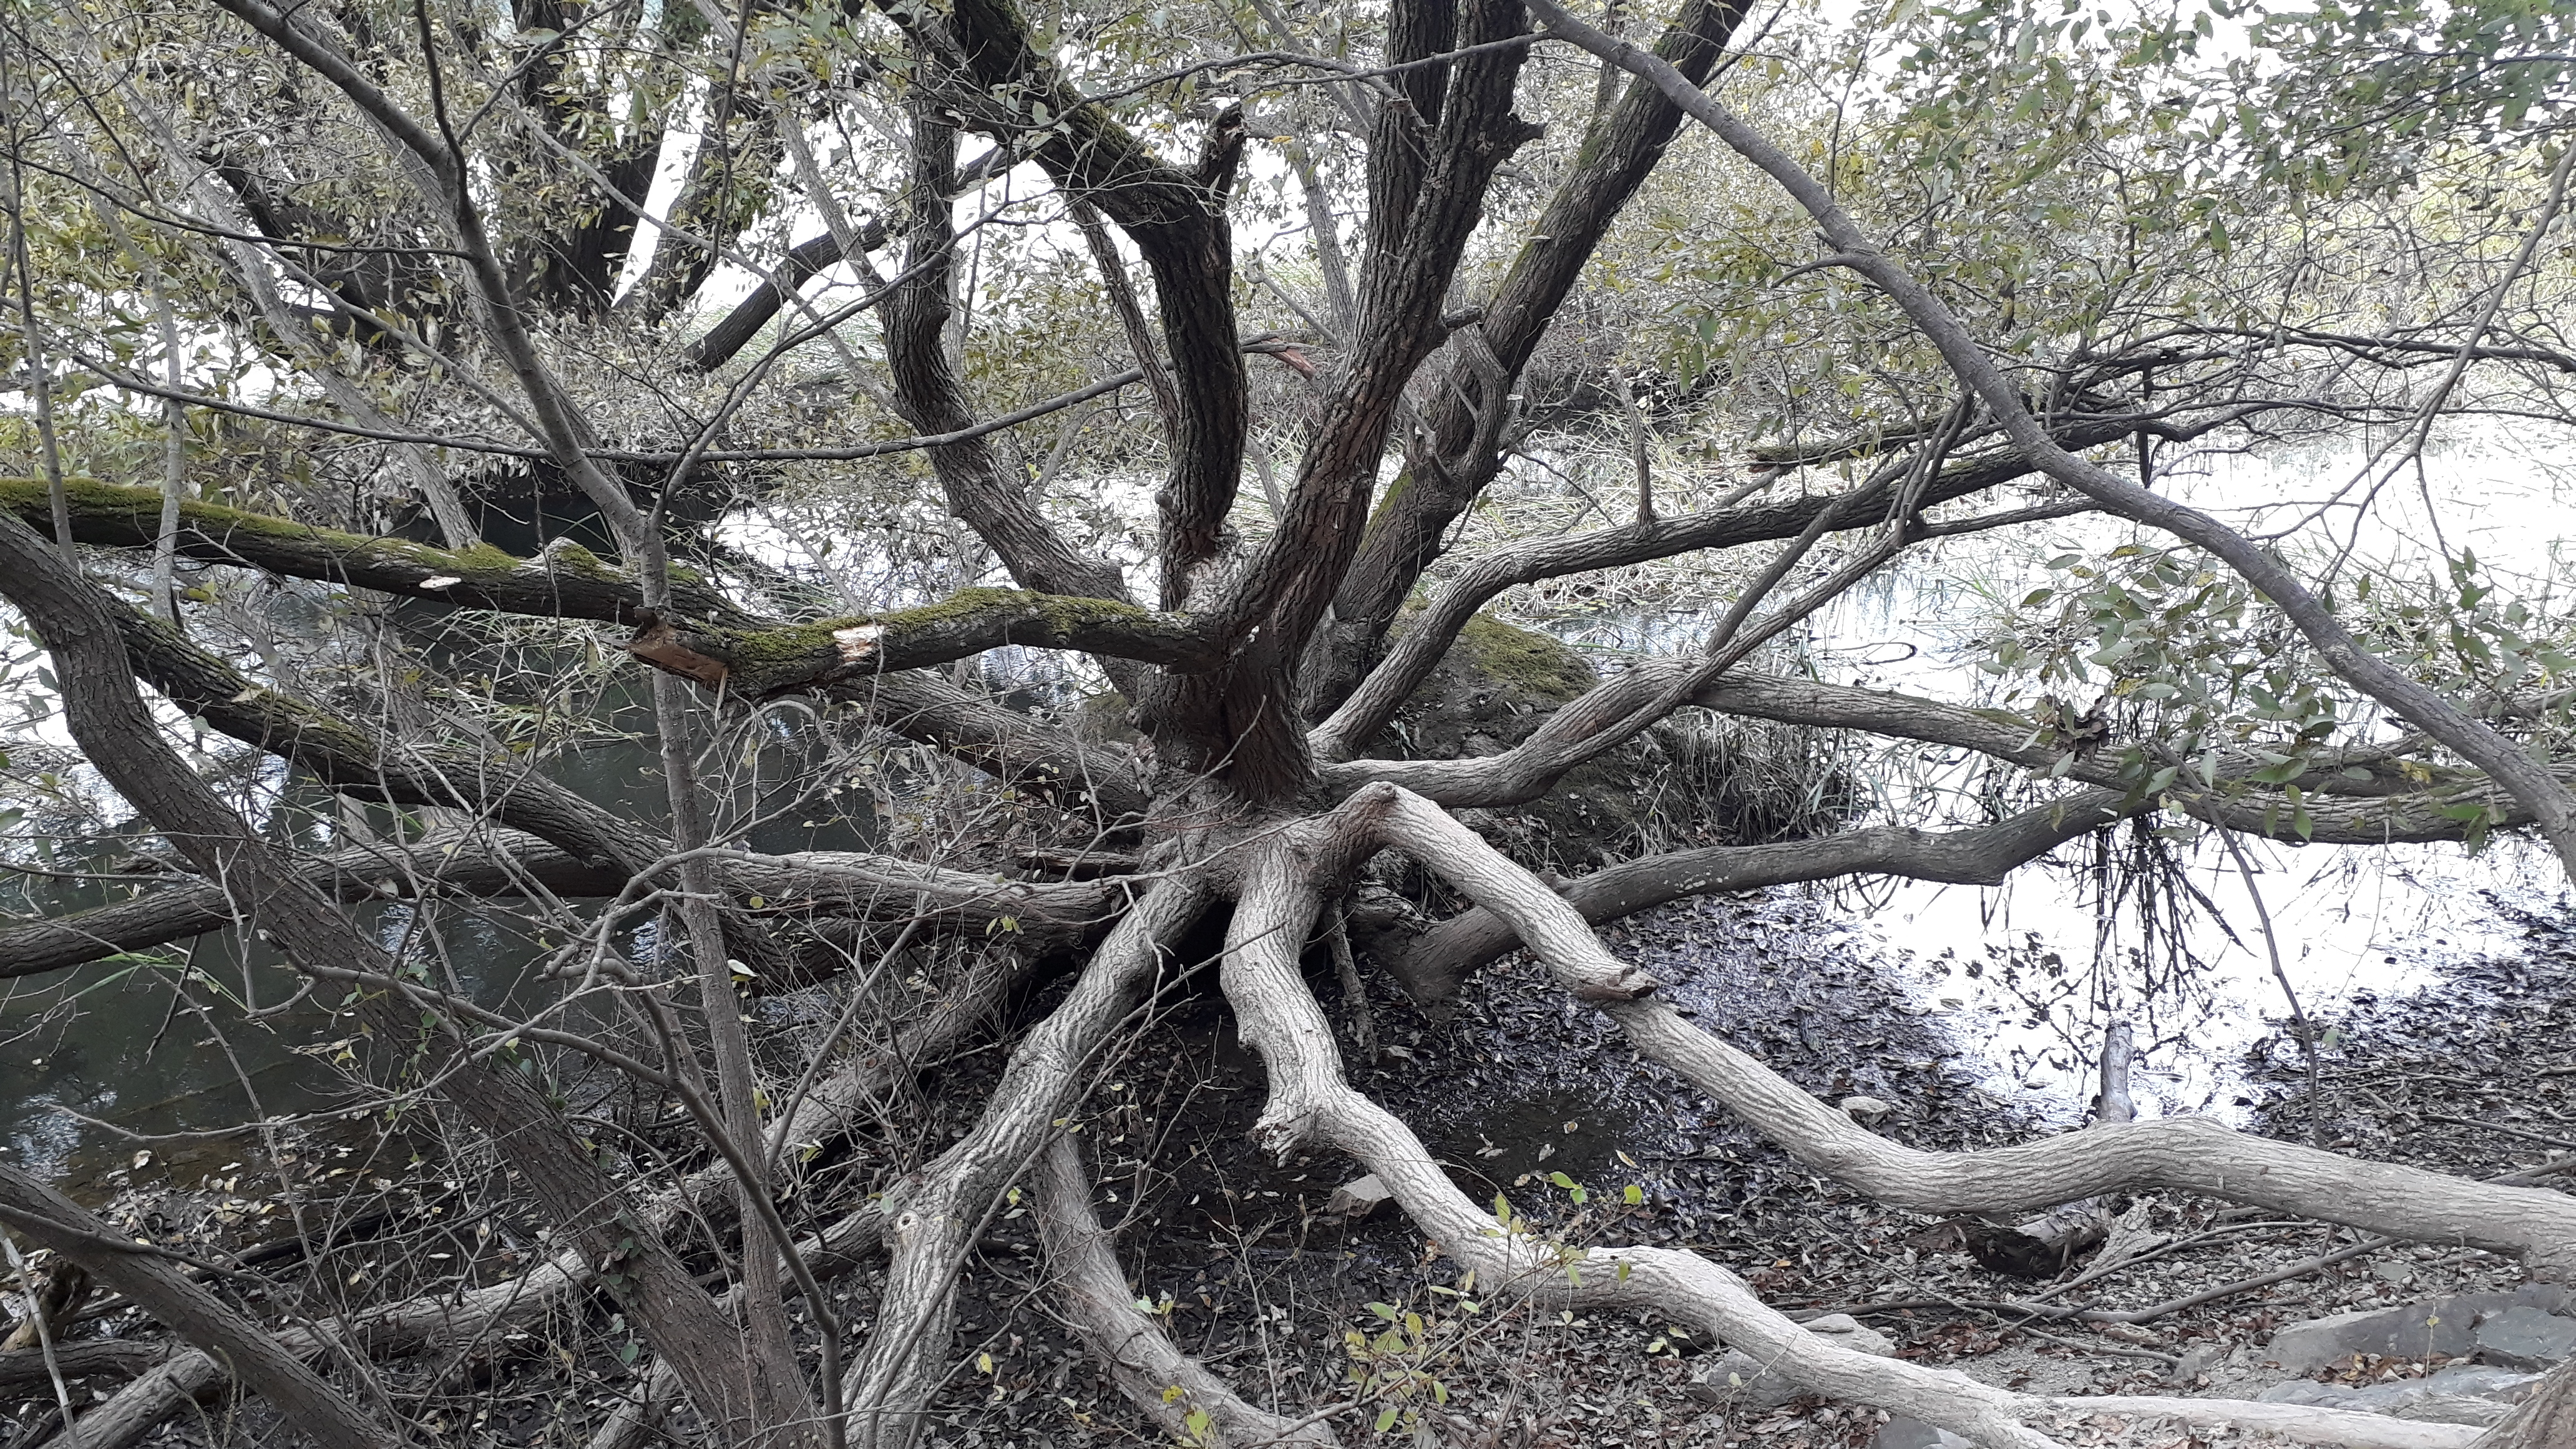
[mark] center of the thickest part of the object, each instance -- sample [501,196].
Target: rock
[2444,1326]
[1849,1332]
[2460,1395]
[2523,1337]
[2558,1298]
[2195,1361]
[1738,1380]
[1865,1110]
[1359,1197]
[1903,1433]
[2505,1386]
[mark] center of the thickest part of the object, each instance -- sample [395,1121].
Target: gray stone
[2505,1386]
[2459,1395]
[1738,1380]
[2445,1326]
[2452,1409]
[1903,1433]
[2523,1337]
[1865,1110]
[1359,1197]
[2556,1298]
[2309,1391]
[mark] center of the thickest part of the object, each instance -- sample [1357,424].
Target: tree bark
[161,1290]
[937,1215]
[2045,1246]
[1176,1391]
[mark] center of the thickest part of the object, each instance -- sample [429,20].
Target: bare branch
[2551,804]
[117,734]
[168,1294]
[1176,1391]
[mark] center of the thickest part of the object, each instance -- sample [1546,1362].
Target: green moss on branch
[792,658]
[567,581]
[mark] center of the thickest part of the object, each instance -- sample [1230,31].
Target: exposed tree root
[937,1217]
[2190,1154]
[1313,1105]
[406,1327]
[1432,966]
[848,885]
[1175,1390]
[156,1285]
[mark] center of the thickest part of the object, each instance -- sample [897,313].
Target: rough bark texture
[1177,1391]
[936,1217]
[1619,150]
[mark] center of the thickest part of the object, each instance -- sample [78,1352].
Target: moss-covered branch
[565,582]
[704,635]
[763,661]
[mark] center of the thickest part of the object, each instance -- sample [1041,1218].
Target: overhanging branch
[773,659]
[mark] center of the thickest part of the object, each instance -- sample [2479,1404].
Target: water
[2027,976]
[162,1052]
[2350,925]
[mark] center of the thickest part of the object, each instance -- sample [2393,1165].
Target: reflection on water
[2350,924]
[115,1055]
[183,1055]
[2029,974]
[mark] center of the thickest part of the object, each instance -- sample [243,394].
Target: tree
[382,296]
